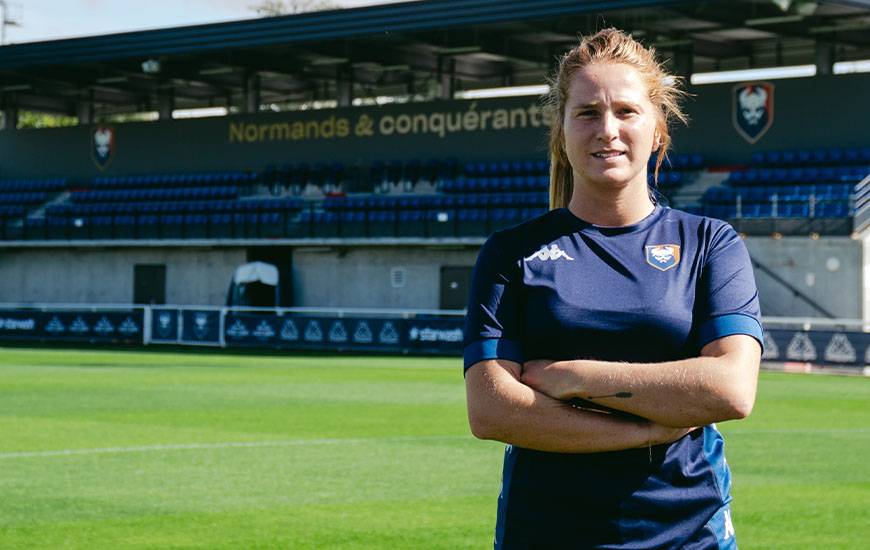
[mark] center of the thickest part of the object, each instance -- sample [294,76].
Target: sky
[53,19]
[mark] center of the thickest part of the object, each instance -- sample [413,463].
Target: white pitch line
[223,445]
[337,441]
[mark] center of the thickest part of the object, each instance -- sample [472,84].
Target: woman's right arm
[502,408]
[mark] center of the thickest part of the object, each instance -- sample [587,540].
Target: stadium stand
[349,153]
[815,189]
[437,198]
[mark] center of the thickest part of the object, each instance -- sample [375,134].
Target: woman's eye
[587,113]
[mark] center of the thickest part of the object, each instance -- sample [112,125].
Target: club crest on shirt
[663,256]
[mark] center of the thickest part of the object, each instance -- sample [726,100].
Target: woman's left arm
[719,385]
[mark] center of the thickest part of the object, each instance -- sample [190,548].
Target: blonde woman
[605,338]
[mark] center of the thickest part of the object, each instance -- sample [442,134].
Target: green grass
[186,450]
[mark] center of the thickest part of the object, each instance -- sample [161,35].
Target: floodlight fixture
[767,73]
[508,91]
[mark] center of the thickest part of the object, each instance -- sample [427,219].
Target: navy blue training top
[559,288]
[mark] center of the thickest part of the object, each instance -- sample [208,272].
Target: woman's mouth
[607,154]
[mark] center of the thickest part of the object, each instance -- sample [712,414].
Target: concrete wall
[105,275]
[322,276]
[361,277]
[829,271]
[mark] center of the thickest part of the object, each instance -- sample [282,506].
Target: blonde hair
[609,46]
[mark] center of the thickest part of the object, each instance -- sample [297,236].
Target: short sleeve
[727,297]
[493,308]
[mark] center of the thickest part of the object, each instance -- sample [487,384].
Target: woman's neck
[613,208]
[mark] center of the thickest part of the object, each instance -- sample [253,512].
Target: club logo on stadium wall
[200,325]
[752,107]
[663,256]
[103,146]
[165,326]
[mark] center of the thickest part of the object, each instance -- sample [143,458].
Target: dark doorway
[149,284]
[454,287]
[282,258]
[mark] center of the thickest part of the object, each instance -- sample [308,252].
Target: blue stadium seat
[717,211]
[803,156]
[757,158]
[838,209]
[528,168]
[794,210]
[411,216]
[56,226]
[472,215]
[841,191]
[789,157]
[772,158]
[736,177]
[756,195]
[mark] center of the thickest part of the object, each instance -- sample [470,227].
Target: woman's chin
[612,179]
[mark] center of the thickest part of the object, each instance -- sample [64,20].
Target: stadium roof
[407,49]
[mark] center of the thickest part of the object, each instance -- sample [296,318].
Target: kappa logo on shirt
[663,256]
[552,253]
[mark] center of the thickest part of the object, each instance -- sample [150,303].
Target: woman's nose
[607,127]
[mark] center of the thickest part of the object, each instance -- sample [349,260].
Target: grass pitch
[133,449]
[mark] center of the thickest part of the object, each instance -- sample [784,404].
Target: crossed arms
[525,405]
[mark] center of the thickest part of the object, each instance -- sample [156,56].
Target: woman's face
[609,126]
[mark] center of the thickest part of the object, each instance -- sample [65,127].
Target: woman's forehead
[607,81]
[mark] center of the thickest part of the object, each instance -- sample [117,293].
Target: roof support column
[252,92]
[10,118]
[165,105]
[447,76]
[344,84]
[85,109]
[683,60]
[826,55]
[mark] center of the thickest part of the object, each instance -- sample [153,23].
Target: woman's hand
[551,378]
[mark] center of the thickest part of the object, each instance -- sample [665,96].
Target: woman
[605,338]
